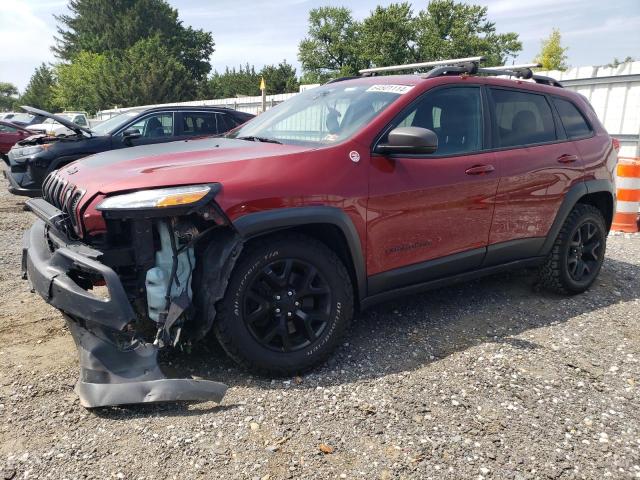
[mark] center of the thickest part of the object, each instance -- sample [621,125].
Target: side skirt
[450,280]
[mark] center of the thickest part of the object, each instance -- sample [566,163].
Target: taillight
[616,144]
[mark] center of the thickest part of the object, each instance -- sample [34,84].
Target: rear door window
[573,121]
[202,123]
[521,118]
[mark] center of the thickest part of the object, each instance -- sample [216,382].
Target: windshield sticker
[399,89]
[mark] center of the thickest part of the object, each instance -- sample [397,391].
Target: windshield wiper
[260,139]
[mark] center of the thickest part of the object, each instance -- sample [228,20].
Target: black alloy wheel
[585,249]
[578,252]
[287,305]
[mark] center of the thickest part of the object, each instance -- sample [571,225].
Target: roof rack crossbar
[469,68]
[415,66]
[521,71]
[520,66]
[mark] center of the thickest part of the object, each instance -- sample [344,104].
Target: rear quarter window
[572,119]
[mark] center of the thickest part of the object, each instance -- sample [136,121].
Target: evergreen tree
[39,91]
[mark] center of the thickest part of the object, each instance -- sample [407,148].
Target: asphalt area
[488,379]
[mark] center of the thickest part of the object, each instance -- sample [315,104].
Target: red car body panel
[528,198]
[9,139]
[424,209]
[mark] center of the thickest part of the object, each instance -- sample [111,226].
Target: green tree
[387,36]
[552,55]
[449,29]
[109,26]
[331,47]
[337,45]
[39,91]
[245,81]
[280,78]
[81,83]
[8,95]
[232,83]
[144,74]
[147,73]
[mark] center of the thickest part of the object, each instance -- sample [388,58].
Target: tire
[292,285]
[581,241]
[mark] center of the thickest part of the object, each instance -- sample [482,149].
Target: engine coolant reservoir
[158,278]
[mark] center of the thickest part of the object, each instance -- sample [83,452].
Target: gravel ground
[488,379]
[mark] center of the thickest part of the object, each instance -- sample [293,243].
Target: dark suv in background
[32,159]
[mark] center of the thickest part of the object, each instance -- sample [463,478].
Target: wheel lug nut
[289,314]
[277,310]
[297,304]
[289,293]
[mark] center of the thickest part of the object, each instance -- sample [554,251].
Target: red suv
[348,194]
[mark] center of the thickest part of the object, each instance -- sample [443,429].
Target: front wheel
[578,253]
[288,303]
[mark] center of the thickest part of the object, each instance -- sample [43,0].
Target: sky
[266,32]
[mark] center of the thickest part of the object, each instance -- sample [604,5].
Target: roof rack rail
[521,71]
[415,66]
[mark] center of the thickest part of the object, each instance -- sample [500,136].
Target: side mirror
[131,134]
[409,140]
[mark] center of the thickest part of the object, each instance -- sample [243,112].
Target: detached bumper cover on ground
[116,367]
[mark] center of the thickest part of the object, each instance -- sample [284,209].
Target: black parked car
[33,158]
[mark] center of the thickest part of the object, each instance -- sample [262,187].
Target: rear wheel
[578,253]
[288,303]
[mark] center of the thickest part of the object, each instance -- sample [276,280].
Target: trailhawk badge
[354,156]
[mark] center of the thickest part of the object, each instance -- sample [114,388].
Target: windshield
[114,123]
[321,116]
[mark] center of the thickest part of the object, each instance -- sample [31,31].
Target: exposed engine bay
[43,138]
[128,293]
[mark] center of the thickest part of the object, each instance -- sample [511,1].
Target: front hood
[61,120]
[186,162]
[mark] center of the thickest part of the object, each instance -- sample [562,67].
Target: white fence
[242,104]
[615,96]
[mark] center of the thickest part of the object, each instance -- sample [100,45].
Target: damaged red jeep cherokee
[348,194]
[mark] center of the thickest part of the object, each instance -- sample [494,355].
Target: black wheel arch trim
[259,223]
[571,198]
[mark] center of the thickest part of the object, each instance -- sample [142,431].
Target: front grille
[64,195]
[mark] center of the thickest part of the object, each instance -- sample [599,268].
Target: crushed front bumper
[17,189]
[116,366]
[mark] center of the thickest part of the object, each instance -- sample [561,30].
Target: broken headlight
[157,198]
